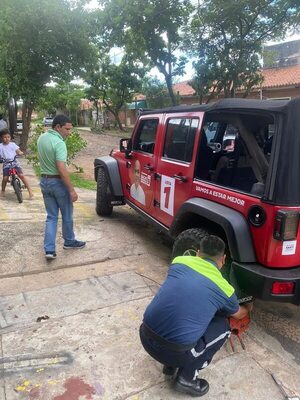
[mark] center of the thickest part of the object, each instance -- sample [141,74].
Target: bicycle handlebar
[6,161]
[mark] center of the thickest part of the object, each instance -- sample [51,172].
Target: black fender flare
[233,223]
[111,168]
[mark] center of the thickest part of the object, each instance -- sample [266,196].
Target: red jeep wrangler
[231,168]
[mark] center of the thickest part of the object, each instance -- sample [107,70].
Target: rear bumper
[257,280]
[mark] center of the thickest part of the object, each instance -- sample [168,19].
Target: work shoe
[77,244]
[196,388]
[167,370]
[50,255]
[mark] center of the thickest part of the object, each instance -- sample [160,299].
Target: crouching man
[186,323]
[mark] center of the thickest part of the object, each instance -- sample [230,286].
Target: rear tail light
[283,287]
[286,225]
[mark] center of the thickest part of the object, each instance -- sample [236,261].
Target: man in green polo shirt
[57,189]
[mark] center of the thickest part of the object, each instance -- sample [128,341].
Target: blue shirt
[193,292]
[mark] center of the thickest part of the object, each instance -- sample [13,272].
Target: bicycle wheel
[17,188]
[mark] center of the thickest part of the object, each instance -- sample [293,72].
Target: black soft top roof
[284,184]
[229,104]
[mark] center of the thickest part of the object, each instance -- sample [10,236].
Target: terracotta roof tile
[273,77]
[285,76]
[184,89]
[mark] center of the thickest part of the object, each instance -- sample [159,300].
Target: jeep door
[175,163]
[140,182]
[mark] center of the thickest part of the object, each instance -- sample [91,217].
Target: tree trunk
[26,118]
[97,113]
[119,122]
[115,113]
[168,79]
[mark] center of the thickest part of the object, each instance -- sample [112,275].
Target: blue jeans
[57,197]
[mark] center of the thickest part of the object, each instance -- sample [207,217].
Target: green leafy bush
[75,143]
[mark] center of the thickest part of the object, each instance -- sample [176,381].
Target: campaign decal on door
[167,191]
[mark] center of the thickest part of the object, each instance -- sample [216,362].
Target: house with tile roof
[278,83]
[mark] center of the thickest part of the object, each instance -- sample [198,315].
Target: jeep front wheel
[103,199]
[187,242]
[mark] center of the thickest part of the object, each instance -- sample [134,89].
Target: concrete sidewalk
[69,328]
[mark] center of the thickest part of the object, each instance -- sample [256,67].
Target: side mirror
[126,147]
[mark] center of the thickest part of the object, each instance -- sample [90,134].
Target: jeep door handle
[148,167]
[180,178]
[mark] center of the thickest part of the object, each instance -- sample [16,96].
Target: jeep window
[145,136]
[238,155]
[180,138]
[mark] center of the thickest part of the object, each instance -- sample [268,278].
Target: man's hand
[248,306]
[61,166]
[74,196]
[243,310]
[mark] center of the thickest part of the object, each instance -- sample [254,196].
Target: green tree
[40,41]
[114,85]
[227,39]
[148,30]
[75,143]
[204,82]
[156,93]
[64,97]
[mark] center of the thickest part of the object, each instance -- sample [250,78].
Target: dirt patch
[97,145]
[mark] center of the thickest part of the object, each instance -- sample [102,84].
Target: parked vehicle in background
[19,125]
[47,122]
[232,169]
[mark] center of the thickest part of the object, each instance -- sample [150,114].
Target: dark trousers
[191,361]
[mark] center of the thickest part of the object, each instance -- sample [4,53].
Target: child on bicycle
[8,151]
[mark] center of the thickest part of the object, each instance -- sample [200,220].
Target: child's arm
[19,152]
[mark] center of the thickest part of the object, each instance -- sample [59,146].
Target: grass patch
[80,182]
[37,170]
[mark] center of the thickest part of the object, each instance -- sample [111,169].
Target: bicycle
[14,178]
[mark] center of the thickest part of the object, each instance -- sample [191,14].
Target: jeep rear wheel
[103,199]
[187,242]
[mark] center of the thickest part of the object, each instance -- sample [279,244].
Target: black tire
[17,188]
[103,199]
[187,242]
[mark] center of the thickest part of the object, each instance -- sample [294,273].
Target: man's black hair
[212,245]
[61,120]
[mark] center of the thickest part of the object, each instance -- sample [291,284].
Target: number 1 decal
[167,191]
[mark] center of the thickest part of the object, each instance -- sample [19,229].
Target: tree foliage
[150,31]
[227,38]
[156,93]
[75,143]
[64,98]
[114,84]
[40,41]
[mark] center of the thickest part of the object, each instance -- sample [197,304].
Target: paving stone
[69,299]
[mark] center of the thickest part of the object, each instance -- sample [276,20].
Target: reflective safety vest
[206,269]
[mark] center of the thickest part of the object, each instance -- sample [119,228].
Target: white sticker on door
[167,191]
[289,247]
